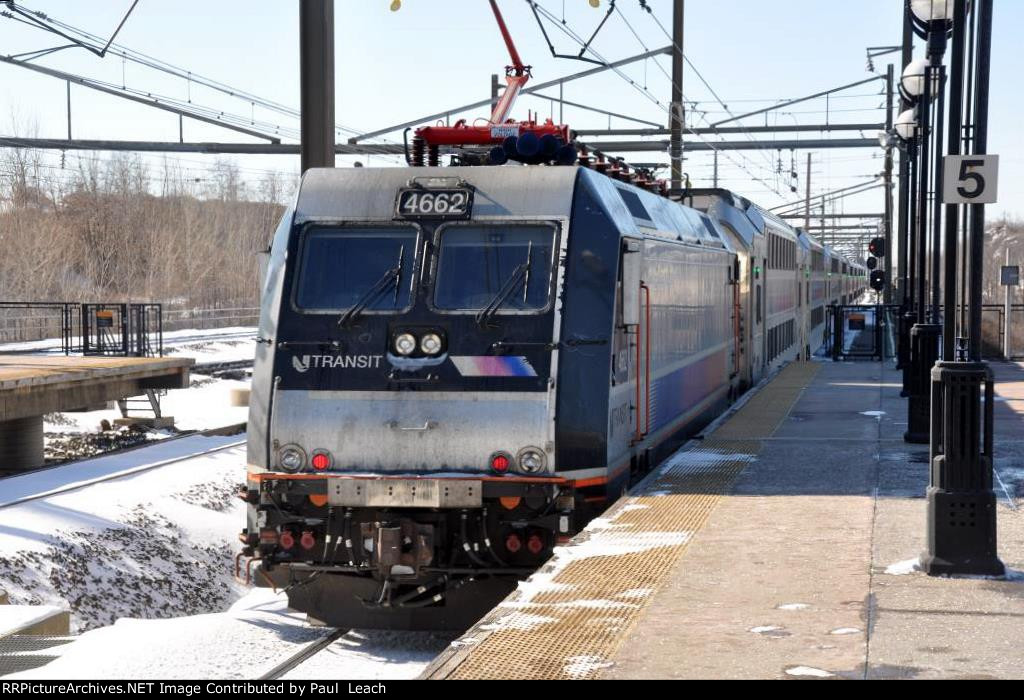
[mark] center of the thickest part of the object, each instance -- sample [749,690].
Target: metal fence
[124,330]
[203,319]
[860,332]
[993,331]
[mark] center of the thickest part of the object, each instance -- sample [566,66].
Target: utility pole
[716,170]
[316,76]
[807,204]
[678,115]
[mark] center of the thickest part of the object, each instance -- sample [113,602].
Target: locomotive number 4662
[435,204]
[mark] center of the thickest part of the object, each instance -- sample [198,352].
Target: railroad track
[212,369]
[307,652]
[214,432]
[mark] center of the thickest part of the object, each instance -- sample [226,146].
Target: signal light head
[878,280]
[877,247]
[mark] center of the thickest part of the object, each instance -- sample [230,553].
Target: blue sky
[433,54]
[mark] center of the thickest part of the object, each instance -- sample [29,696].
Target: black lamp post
[921,82]
[961,502]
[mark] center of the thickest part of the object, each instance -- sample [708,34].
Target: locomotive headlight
[291,458]
[405,344]
[431,344]
[532,460]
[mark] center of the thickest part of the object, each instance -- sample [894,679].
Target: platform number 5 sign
[970,180]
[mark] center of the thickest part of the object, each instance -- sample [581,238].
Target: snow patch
[874,414]
[579,666]
[844,631]
[767,629]
[630,507]
[793,606]
[904,568]
[636,593]
[523,622]
[808,671]
[702,460]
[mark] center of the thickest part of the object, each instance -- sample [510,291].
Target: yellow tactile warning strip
[570,617]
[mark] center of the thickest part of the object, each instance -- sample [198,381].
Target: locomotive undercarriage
[401,567]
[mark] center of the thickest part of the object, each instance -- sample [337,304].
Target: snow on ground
[206,405]
[374,655]
[246,641]
[215,345]
[154,544]
[15,618]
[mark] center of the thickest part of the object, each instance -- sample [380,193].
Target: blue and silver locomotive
[458,366]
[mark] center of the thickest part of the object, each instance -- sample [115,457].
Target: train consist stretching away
[458,366]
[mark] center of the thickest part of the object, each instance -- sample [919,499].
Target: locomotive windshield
[506,266]
[343,268]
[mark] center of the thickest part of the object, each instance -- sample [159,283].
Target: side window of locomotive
[758,305]
[342,267]
[508,265]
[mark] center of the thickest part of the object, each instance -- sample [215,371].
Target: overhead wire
[644,91]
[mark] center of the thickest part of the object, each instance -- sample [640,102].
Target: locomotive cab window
[370,267]
[502,266]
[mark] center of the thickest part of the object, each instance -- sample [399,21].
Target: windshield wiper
[389,278]
[485,314]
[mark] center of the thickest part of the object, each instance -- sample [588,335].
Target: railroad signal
[877,247]
[872,263]
[878,280]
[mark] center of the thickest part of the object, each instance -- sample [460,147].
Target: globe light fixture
[928,11]
[906,125]
[912,80]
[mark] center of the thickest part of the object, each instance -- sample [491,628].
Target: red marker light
[286,540]
[500,463]
[535,544]
[513,544]
[321,461]
[307,540]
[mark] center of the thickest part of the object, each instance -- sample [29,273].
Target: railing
[125,330]
[27,323]
[860,332]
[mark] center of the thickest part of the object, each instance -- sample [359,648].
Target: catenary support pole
[316,69]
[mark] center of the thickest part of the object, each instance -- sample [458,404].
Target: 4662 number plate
[435,204]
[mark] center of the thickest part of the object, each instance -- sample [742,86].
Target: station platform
[32,386]
[781,545]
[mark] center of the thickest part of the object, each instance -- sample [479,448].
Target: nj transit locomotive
[457,365]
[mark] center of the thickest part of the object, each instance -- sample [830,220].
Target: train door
[759,268]
[630,409]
